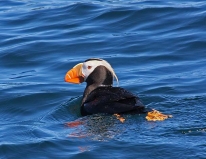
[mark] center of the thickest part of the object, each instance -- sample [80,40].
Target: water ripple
[157,48]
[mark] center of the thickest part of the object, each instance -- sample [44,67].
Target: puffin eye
[89,67]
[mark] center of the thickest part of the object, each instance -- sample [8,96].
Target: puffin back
[111,100]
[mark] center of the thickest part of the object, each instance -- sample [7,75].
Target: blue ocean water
[157,49]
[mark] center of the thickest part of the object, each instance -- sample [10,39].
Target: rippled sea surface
[157,49]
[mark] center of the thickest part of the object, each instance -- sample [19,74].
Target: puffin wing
[112,100]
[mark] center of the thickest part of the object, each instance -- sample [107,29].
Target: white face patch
[89,66]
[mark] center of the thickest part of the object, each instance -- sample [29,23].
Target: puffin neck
[100,77]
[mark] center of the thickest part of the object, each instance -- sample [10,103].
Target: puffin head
[93,71]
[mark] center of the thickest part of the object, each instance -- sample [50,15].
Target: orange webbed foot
[119,117]
[155,115]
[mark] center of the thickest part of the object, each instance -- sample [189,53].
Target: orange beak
[75,75]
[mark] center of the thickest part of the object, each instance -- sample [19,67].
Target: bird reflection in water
[99,127]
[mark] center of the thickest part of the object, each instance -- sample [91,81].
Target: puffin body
[99,95]
[111,100]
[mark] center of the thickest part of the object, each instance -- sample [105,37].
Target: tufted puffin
[99,95]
